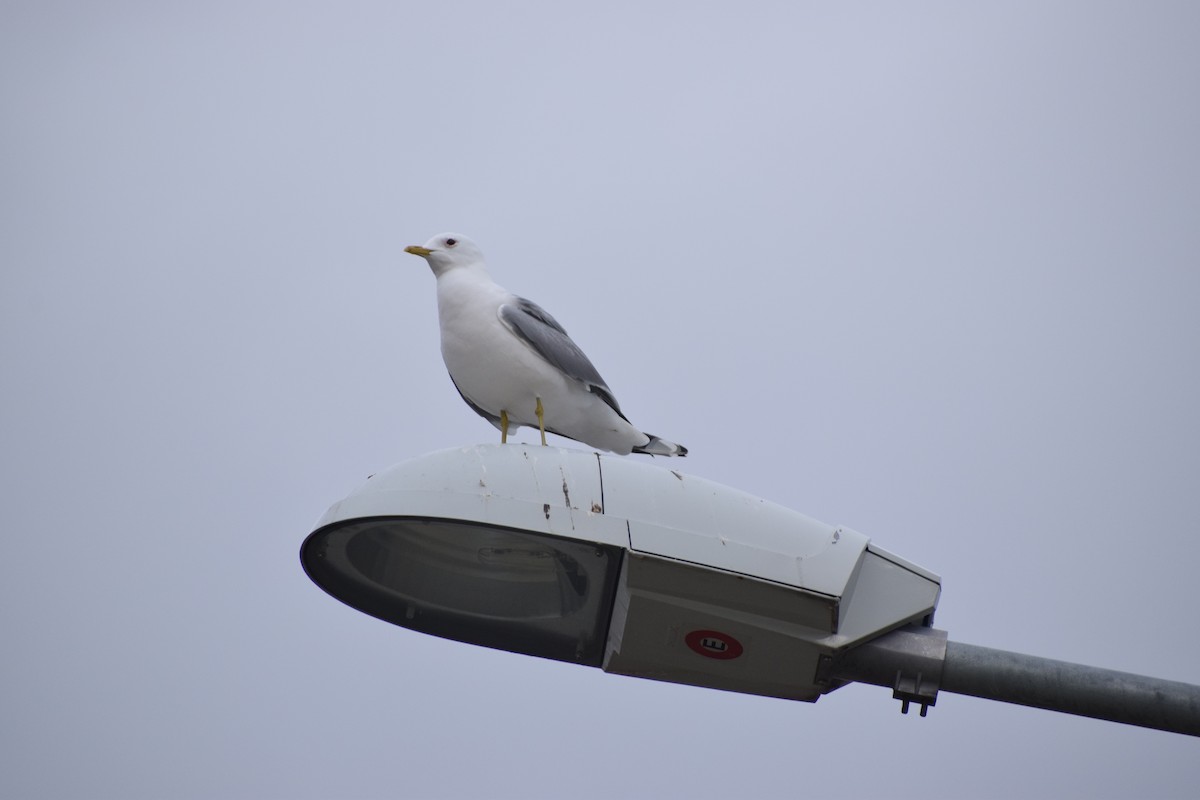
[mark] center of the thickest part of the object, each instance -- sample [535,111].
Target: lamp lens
[513,590]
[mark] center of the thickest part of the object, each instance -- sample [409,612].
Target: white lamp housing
[612,562]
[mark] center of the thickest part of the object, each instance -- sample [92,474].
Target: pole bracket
[914,689]
[909,660]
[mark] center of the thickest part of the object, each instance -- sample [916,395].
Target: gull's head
[446,251]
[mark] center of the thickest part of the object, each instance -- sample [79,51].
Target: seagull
[515,365]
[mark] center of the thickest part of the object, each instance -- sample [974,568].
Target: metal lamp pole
[918,662]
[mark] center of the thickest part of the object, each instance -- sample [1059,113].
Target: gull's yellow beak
[417,250]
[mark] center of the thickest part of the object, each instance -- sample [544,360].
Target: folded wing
[540,331]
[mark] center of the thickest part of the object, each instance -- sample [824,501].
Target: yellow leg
[503,426]
[541,420]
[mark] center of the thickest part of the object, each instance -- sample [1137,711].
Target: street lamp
[644,571]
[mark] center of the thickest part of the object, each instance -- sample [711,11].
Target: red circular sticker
[714,644]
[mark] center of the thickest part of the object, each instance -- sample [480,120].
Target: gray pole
[917,662]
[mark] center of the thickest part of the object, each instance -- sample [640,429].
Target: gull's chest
[478,349]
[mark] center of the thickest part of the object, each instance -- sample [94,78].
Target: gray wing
[549,340]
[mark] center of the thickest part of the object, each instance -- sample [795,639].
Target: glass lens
[525,592]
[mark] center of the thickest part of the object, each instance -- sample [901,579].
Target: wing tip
[661,447]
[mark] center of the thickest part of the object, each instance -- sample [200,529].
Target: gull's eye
[451,242]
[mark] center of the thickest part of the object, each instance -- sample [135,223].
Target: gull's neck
[465,287]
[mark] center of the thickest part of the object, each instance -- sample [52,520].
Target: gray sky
[931,272]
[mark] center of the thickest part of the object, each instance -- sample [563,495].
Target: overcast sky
[930,271]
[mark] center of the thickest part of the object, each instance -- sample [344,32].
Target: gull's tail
[661,447]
